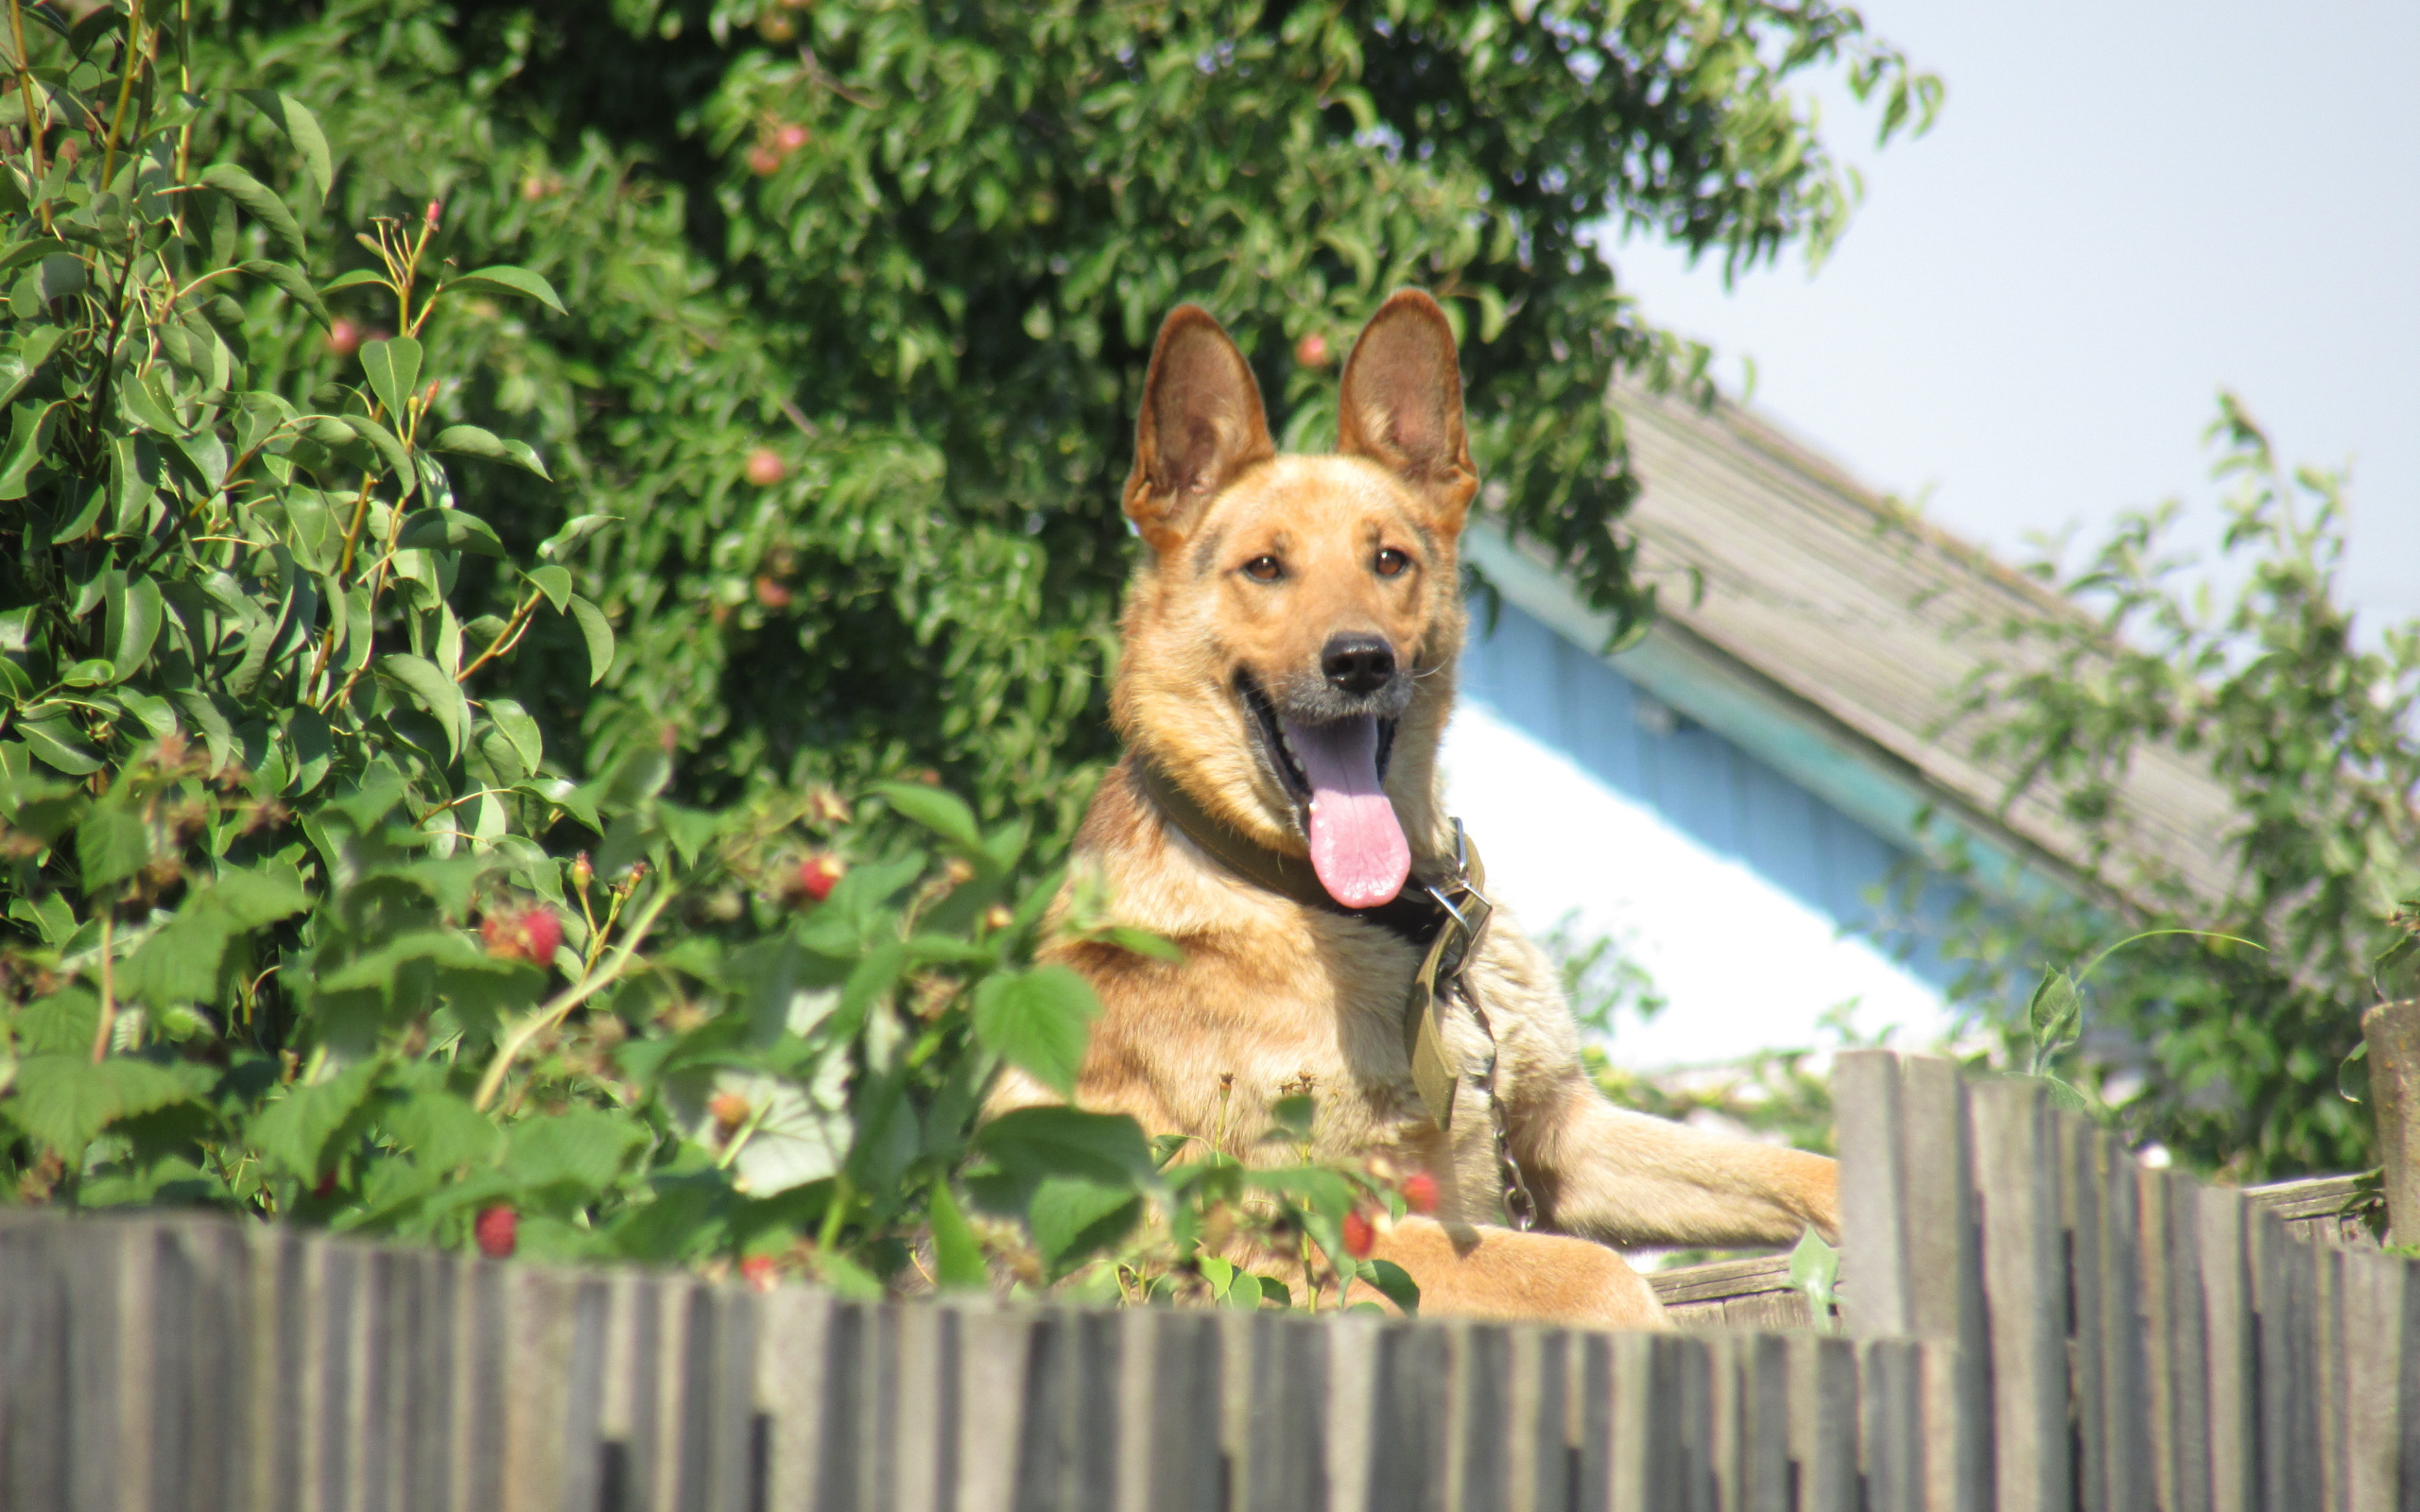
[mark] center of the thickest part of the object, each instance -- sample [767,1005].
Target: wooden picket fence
[2031,1322]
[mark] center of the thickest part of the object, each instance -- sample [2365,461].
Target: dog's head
[1290,638]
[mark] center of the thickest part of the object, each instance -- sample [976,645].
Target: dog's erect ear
[1202,424]
[1402,405]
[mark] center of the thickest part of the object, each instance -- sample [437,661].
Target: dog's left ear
[1402,405]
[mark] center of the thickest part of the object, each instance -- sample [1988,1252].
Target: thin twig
[506,639]
[35,123]
[102,1031]
[124,88]
[556,1008]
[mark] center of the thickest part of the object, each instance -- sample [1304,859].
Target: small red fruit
[1420,1192]
[1360,1237]
[765,467]
[819,873]
[772,593]
[344,337]
[327,1187]
[433,215]
[530,934]
[760,1272]
[498,1230]
[763,160]
[789,138]
[729,1109]
[1311,352]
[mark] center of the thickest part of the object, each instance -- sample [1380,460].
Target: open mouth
[1333,769]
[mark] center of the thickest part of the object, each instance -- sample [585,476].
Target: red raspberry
[1420,1192]
[789,138]
[1311,352]
[763,160]
[344,337]
[498,1230]
[1360,1237]
[818,873]
[765,467]
[758,1271]
[530,934]
[327,1187]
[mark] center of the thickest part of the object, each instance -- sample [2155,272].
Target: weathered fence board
[2033,1323]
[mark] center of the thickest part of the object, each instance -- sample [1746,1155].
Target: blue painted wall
[1566,696]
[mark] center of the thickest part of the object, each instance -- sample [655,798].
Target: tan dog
[1289,649]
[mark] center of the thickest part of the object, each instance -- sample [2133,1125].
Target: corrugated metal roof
[1834,636]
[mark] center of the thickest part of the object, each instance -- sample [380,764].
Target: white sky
[2122,209]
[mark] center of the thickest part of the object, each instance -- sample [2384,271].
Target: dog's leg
[1467,1271]
[1627,1178]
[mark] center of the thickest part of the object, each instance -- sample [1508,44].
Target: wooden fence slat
[33,1367]
[1285,1460]
[1824,1423]
[1691,1371]
[2080,1216]
[541,1348]
[791,1367]
[2231,1340]
[1345,1415]
[1478,1417]
[1946,1275]
[1865,1094]
[283,1361]
[2173,1205]
[927,1409]
[1185,1471]
[1407,1438]
[1064,1463]
[201,1443]
[1538,1473]
[2017,1175]
[2152,1285]
[2407,1428]
[1763,1363]
[2125,1369]
[2371,1328]
[2280,1276]
[1891,1449]
[995,1344]
[1597,1409]
[2327,1373]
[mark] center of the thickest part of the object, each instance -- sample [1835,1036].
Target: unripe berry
[792,137]
[763,160]
[344,337]
[765,467]
[999,916]
[1420,1192]
[498,1230]
[1311,352]
[819,873]
[729,1109]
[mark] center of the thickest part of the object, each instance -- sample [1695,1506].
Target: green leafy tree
[2227,1035]
[860,295]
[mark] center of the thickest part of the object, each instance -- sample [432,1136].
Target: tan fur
[1276,993]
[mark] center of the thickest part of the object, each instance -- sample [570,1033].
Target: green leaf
[1050,1141]
[433,690]
[1038,1021]
[518,728]
[54,741]
[19,364]
[64,1100]
[294,1130]
[471,440]
[355,278]
[290,280]
[449,530]
[301,129]
[943,812]
[443,1131]
[575,530]
[111,846]
[389,449]
[600,636]
[957,1255]
[2055,1016]
[257,200]
[506,279]
[1071,1217]
[135,611]
[555,582]
[28,433]
[393,369]
[181,961]
[1393,1283]
[1815,1269]
[581,1148]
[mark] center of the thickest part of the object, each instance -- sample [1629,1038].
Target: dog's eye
[1264,569]
[1391,562]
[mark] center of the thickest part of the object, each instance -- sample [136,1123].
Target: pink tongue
[1357,845]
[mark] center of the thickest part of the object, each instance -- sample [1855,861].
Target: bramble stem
[124,88]
[558,1006]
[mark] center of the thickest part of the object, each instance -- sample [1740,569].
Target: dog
[1291,635]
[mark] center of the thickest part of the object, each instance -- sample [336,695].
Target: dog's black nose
[1359,664]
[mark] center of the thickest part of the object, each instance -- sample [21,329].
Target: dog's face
[1289,644]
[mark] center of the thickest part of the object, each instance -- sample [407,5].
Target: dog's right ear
[1202,424]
